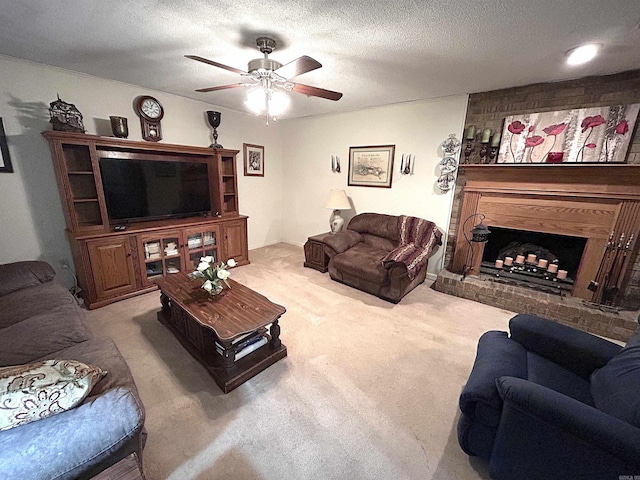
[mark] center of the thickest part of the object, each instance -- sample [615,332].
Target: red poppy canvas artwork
[589,135]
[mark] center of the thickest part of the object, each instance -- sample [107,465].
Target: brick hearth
[566,310]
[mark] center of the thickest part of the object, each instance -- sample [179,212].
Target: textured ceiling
[375,52]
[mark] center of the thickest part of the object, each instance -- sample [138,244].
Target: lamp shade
[338,200]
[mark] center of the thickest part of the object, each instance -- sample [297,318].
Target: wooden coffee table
[215,329]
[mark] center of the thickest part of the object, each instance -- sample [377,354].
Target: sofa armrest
[342,241]
[497,356]
[18,275]
[544,434]
[77,443]
[578,351]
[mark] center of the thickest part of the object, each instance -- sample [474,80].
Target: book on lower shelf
[247,347]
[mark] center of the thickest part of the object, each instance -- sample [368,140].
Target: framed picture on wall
[253,160]
[584,135]
[5,161]
[371,166]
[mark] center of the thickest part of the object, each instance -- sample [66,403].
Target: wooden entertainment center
[116,260]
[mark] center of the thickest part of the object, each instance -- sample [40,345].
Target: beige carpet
[369,389]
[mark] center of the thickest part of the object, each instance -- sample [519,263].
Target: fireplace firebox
[543,261]
[583,205]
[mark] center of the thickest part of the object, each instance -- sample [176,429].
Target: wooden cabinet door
[160,254]
[235,241]
[111,266]
[203,241]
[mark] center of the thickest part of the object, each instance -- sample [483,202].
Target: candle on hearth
[542,263]
[486,135]
[499,263]
[495,140]
[471,132]
[531,258]
[520,259]
[508,261]
[553,268]
[562,274]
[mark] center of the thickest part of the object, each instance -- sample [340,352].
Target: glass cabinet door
[161,255]
[201,243]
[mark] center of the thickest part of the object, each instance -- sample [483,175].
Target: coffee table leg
[228,354]
[275,336]
[165,301]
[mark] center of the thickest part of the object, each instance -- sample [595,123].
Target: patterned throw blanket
[418,237]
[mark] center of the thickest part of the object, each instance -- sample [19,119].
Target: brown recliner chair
[384,255]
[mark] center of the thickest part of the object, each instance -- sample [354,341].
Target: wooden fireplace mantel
[580,200]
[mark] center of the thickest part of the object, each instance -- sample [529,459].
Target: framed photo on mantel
[5,161]
[371,166]
[253,160]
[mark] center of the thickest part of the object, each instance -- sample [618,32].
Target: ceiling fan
[273,78]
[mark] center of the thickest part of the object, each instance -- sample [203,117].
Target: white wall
[31,218]
[416,128]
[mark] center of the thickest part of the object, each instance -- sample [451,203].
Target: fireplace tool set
[615,256]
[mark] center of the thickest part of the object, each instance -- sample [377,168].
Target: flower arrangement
[215,276]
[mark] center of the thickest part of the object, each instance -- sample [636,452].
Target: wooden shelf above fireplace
[584,200]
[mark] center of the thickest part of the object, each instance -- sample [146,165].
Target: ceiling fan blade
[316,92]
[298,66]
[215,64]
[221,87]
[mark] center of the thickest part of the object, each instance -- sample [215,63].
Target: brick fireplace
[586,202]
[488,110]
[582,201]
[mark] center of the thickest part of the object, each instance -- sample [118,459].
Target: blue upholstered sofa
[551,402]
[40,320]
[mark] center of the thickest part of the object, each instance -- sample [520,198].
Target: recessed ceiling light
[582,54]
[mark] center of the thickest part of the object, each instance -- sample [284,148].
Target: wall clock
[150,112]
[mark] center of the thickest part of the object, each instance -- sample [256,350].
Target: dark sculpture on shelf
[65,117]
[214,120]
[119,126]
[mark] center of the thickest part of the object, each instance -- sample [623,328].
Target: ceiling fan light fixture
[582,54]
[278,103]
[256,101]
[269,79]
[272,103]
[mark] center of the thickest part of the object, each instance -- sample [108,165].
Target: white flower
[203,266]
[208,286]
[231,262]
[223,274]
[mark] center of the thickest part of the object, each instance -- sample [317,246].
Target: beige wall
[31,219]
[416,128]
[286,205]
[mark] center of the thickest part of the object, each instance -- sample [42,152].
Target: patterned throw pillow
[41,389]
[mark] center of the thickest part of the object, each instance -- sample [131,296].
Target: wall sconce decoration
[406,168]
[448,165]
[479,234]
[335,164]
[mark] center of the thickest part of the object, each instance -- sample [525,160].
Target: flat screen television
[139,189]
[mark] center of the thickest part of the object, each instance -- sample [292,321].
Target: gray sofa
[39,319]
